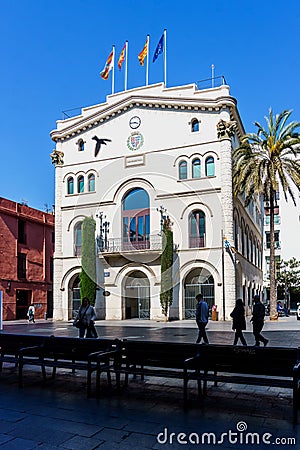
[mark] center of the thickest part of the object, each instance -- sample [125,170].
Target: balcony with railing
[152,243]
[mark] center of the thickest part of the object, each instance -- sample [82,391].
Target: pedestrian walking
[85,320]
[31,313]
[239,322]
[201,318]
[258,317]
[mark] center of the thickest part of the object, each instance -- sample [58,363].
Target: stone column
[225,133]
[57,160]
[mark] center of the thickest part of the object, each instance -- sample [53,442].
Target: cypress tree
[166,292]
[88,260]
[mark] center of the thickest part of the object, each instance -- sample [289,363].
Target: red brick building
[26,260]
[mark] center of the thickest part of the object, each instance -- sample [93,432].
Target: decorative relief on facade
[225,130]
[57,158]
[135,141]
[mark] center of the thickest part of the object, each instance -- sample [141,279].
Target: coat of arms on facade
[135,141]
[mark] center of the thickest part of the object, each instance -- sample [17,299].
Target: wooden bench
[70,353]
[158,359]
[10,345]
[261,366]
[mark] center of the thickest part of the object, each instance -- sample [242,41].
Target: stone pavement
[147,414]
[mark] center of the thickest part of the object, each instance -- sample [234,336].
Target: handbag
[78,321]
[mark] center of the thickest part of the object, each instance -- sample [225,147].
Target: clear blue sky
[52,52]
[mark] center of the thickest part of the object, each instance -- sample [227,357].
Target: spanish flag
[122,57]
[108,66]
[144,52]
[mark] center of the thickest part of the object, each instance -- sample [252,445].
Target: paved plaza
[147,414]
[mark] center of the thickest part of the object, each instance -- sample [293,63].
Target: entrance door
[137,301]
[23,300]
[198,281]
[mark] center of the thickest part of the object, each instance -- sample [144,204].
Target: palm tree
[262,163]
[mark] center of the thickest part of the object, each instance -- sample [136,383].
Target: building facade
[26,260]
[287,226]
[143,155]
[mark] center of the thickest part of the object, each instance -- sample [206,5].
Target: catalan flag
[144,52]
[108,66]
[122,57]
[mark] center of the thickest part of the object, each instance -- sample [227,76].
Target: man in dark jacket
[201,318]
[258,316]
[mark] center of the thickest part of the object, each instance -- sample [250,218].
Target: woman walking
[86,317]
[239,322]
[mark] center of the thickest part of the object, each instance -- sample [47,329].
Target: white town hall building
[144,154]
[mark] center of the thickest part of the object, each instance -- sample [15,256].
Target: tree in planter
[289,277]
[88,260]
[166,291]
[265,161]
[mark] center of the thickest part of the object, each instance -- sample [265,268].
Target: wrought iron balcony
[119,245]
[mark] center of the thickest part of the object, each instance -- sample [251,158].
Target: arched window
[196,168]
[91,182]
[183,170]
[194,125]
[197,229]
[80,184]
[210,167]
[70,184]
[80,144]
[78,239]
[136,220]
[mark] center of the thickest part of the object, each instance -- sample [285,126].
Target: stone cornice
[87,121]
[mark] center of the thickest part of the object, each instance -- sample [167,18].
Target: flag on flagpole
[108,66]
[160,48]
[228,246]
[142,55]
[122,57]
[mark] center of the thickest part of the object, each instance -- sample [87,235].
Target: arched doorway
[197,281]
[75,296]
[136,296]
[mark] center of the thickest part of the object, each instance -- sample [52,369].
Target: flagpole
[212,75]
[126,50]
[113,72]
[165,57]
[147,63]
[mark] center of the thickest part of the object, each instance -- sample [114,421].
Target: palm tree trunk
[273,293]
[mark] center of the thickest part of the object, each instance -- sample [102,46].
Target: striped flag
[122,57]
[143,53]
[108,66]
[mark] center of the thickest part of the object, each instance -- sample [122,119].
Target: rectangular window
[21,265]
[276,239]
[21,232]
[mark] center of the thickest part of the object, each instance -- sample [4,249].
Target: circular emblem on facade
[135,141]
[134,122]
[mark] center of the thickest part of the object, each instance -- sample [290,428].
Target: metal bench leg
[295,400]
[20,373]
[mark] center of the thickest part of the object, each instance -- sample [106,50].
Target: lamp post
[102,239]
[163,217]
